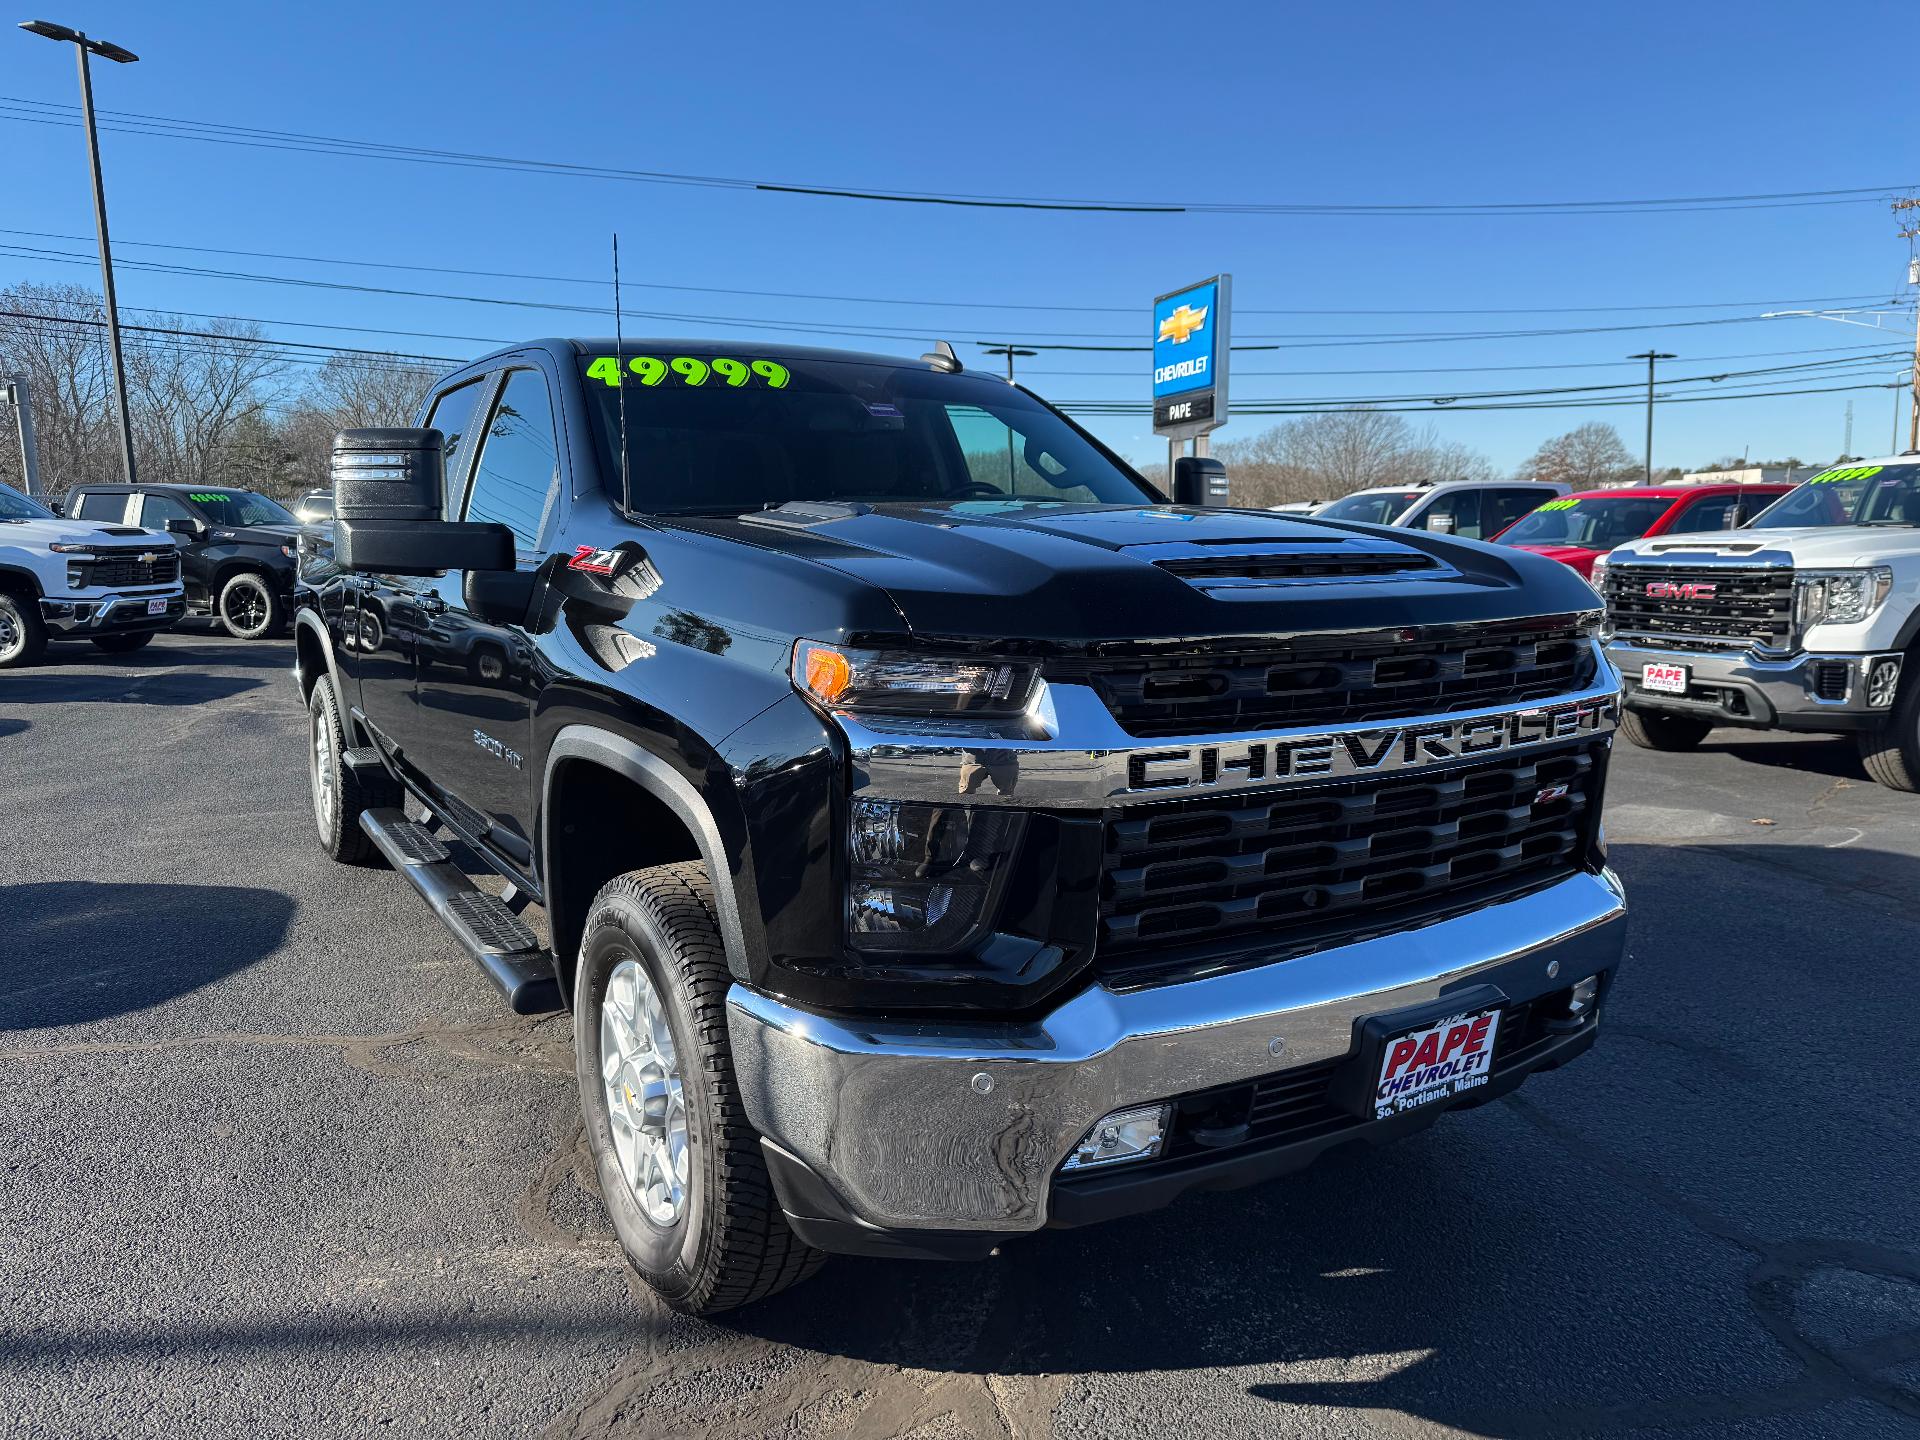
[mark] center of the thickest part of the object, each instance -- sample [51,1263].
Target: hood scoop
[806,514]
[1701,545]
[121,530]
[1265,565]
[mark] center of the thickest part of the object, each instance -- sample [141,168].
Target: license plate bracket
[1357,1087]
[1663,678]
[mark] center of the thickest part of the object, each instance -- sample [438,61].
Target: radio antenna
[620,361]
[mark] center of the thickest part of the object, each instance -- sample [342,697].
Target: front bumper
[897,1137]
[1801,692]
[84,617]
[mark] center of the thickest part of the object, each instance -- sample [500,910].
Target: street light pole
[1650,356]
[106,50]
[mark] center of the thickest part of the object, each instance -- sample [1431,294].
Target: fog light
[1135,1134]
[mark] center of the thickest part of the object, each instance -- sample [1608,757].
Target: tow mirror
[1200,480]
[388,486]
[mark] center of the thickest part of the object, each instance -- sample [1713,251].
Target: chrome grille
[1324,866]
[1748,604]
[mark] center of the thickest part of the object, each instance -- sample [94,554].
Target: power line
[600,284]
[1100,409]
[27,110]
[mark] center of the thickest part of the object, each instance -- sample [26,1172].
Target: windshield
[240,507]
[15,506]
[1593,524]
[724,434]
[1371,507]
[1849,495]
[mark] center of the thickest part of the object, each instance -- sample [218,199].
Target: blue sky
[1322,104]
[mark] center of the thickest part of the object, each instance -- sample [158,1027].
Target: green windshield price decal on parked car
[1851,472]
[207,497]
[691,370]
[1559,505]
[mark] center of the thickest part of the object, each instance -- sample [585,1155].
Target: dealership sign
[1190,358]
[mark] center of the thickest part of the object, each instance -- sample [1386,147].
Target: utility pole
[106,50]
[1910,232]
[1651,356]
[1846,445]
[16,390]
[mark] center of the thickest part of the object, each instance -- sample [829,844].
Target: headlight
[842,679]
[924,877]
[1839,597]
[1599,580]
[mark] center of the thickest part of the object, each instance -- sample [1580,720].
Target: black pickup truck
[936,835]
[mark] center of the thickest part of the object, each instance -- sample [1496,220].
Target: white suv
[1471,509]
[116,585]
[1802,620]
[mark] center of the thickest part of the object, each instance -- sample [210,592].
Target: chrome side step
[496,938]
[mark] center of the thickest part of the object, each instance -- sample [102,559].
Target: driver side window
[1000,458]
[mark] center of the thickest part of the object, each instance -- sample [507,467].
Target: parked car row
[118,563]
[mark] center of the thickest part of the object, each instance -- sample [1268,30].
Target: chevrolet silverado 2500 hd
[939,836]
[1802,620]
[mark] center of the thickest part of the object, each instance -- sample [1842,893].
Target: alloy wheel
[646,1101]
[322,765]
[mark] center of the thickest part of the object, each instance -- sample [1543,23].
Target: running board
[493,935]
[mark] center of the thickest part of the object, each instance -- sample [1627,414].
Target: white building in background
[1751,475]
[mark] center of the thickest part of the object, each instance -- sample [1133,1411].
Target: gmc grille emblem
[1681,590]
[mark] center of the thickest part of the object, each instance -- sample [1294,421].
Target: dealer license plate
[1668,679]
[156,607]
[1424,1067]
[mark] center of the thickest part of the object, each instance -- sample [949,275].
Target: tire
[249,607]
[1891,754]
[124,644]
[339,792]
[23,634]
[1651,730]
[724,1243]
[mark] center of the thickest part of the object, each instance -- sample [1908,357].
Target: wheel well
[20,582]
[232,568]
[311,656]
[600,824]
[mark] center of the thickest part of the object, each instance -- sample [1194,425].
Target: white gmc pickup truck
[1802,620]
[60,579]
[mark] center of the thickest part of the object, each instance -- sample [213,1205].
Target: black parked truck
[939,836]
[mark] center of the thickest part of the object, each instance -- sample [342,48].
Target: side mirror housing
[388,487]
[1200,480]
[186,525]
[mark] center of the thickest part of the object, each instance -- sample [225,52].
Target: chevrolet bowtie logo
[1180,326]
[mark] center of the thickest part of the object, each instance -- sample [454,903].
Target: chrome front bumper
[963,1127]
[1737,687]
[109,614]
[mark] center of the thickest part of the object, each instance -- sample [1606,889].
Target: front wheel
[340,792]
[249,607]
[680,1167]
[23,635]
[1652,730]
[124,644]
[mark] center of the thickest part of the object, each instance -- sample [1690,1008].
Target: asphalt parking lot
[278,1162]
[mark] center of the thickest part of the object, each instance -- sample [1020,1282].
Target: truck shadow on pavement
[79,952]
[164,687]
[13,727]
[1816,755]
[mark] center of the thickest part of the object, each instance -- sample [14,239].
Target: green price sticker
[208,498]
[651,370]
[1850,472]
[1559,505]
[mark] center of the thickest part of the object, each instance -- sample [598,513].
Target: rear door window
[1503,507]
[107,505]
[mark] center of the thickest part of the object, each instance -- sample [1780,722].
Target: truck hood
[1809,547]
[1084,574]
[38,534]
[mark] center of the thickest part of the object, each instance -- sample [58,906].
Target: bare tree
[192,392]
[1322,457]
[55,336]
[349,392]
[1591,455]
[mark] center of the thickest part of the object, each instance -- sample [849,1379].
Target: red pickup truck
[1577,529]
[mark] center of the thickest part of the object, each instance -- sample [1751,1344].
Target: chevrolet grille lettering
[1386,750]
